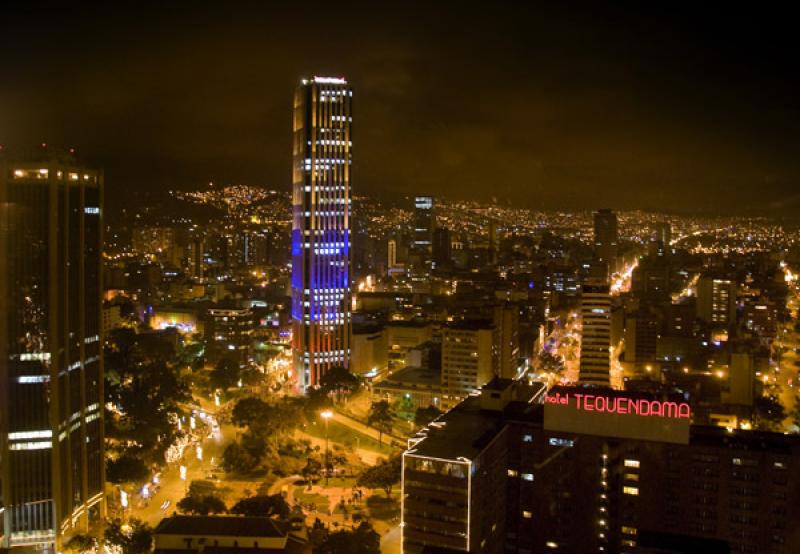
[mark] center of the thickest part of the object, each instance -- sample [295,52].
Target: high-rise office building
[506,322]
[469,358]
[391,250]
[663,233]
[596,334]
[442,250]
[423,224]
[51,367]
[606,239]
[321,227]
[594,471]
[716,300]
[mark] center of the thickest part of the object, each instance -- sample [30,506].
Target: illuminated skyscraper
[596,334]
[606,239]
[392,253]
[51,367]
[321,227]
[423,225]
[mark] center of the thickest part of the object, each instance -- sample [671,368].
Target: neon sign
[623,405]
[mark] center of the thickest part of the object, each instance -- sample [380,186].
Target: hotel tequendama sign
[606,412]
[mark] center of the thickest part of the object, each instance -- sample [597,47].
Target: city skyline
[606,107]
[551,303]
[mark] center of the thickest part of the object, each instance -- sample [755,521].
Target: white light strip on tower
[330,80]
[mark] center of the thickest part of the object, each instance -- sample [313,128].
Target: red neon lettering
[601,404]
[656,408]
[640,407]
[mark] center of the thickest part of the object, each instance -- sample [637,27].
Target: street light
[326,415]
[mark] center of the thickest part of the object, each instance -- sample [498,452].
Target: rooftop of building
[412,323]
[410,377]
[366,328]
[471,325]
[232,526]
[465,430]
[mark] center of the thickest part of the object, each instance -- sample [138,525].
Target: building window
[513,473]
[526,514]
[527,438]
[631,463]
[634,491]
[628,530]
[527,476]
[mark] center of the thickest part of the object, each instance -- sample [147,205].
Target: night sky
[666,109]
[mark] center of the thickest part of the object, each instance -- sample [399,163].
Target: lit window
[631,463]
[632,476]
[634,491]
[512,473]
[526,514]
[628,530]
[527,438]
[527,476]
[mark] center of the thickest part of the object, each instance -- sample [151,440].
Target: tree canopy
[362,540]
[262,505]
[226,373]
[380,417]
[384,475]
[145,390]
[423,416]
[127,468]
[136,539]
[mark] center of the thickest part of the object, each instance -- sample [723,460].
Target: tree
[136,539]
[380,417]
[362,540]
[126,469]
[549,363]
[201,505]
[385,475]
[249,410]
[311,469]
[315,401]
[423,416]
[768,413]
[339,382]
[146,390]
[262,505]
[81,544]
[225,374]
[236,459]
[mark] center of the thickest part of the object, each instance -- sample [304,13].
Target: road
[171,487]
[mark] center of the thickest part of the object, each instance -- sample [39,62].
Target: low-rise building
[228,535]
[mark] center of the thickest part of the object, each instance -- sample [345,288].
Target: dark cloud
[673,107]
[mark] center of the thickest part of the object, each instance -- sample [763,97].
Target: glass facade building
[51,365]
[321,204]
